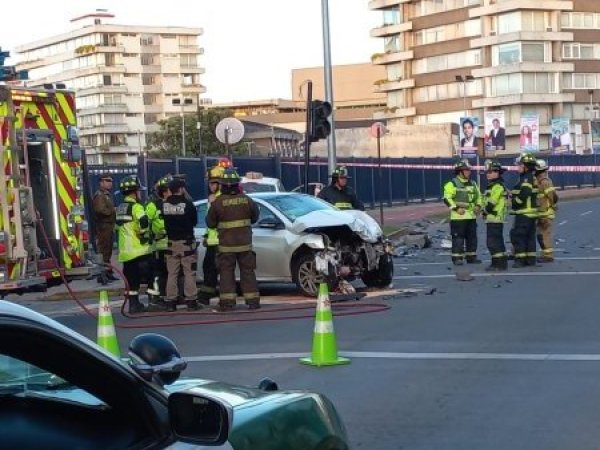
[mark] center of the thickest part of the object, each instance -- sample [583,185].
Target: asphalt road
[503,361]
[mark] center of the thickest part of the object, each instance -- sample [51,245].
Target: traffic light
[3,56]
[320,127]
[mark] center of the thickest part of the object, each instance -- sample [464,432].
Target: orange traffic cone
[107,337]
[324,349]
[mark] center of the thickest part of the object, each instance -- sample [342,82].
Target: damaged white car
[302,239]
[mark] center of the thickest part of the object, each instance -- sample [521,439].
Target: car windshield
[251,187]
[294,206]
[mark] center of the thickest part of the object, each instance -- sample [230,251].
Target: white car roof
[263,180]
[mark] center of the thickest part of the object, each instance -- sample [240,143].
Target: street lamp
[182,102]
[464,81]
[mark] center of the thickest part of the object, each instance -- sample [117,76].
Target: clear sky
[250,45]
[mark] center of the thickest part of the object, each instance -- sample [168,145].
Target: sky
[250,46]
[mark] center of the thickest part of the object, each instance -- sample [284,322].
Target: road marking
[499,274]
[563,222]
[586,213]
[564,258]
[409,356]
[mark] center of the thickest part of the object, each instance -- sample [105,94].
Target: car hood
[358,221]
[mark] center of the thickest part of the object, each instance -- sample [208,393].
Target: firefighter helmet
[494,166]
[156,358]
[163,183]
[230,177]
[526,159]
[215,173]
[130,183]
[541,165]
[224,163]
[340,172]
[462,164]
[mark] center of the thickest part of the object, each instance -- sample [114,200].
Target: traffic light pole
[331,153]
[307,135]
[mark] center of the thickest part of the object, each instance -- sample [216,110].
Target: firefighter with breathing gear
[180,218]
[104,221]
[159,236]
[133,228]
[494,212]
[524,208]
[339,194]
[547,200]
[232,214]
[211,240]
[463,197]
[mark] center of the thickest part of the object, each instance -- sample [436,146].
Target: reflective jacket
[212,234]
[344,198]
[233,216]
[157,224]
[547,197]
[524,196]
[462,193]
[133,230]
[495,204]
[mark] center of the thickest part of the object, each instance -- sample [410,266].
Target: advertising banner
[495,132]
[529,136]
[561,138]
[596,136]
[469,142]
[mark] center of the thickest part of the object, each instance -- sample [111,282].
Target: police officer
[547,200]
[338,193]
[524,208]
[159,236]
[463,197]
[180,218]
[211,241]
[232,214]
[133,228]
[104,220]
[494,211]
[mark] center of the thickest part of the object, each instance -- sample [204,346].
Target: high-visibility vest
[132,230]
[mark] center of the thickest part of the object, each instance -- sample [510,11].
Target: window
[150,99]
[446,62]
[148,80]
[447,91]
[523,21]
[391,17]
[147,59]
[517,52]
[188,61]
[523,83]
[395,71]
[580,20]
[150,118]
[148,39]
[391,44]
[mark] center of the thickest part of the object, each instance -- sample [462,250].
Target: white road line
[565,258]
[498,274]
[563,223]
[586,213]
[410,356]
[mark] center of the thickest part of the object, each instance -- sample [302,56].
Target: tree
[167,141]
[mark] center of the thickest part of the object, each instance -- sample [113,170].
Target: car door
[199,232]
[270,245]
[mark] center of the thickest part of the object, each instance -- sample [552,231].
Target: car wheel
[382,276]
[305,276]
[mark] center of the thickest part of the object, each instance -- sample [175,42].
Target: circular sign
[230,131]
[377,129]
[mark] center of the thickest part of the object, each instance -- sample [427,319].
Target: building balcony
[523,67]
[102,89]
[191,49]
[110,128]
[192,69]
[389,58]
[152,69]
[518,99]
[395,113]
[514,5]
[110,49]
[193,88]
[390,30]
[152,89]
[397,85]
[101,109]
[150,49]
[383,4]
[153,109]
[495,39]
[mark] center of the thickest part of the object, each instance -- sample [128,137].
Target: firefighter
[133,228]
[524,208]
[463,197]
[547,199]
[494,212]
[159,236]
[211,241]
[338,193]
[180,218]
[232,214]
[104,220]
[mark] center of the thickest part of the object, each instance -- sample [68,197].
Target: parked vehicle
[254,182]
[58,390]
[294,231]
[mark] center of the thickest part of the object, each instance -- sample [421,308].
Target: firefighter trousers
[159,269]
[522,237]
[227,288]
[105,240]
[495,244]
[464,239]
[210,274]
[137,271]
[544,237]
[181,256]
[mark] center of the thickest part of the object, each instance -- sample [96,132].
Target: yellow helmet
[215,173]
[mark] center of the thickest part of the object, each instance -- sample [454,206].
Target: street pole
[199,128]
[591,92]
[331,152]
[139,133]
[182,129]
[380,177]
[307,135]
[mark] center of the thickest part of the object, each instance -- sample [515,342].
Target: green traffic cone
[107,337]
[324,349]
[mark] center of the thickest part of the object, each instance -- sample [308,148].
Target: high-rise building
[127,78]
[451,58]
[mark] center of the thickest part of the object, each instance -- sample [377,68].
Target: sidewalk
[399,217]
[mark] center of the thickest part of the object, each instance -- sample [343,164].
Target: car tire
[305,276]
[382,276]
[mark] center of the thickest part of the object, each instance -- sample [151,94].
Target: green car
[58,390]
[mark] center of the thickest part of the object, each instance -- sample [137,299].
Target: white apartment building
[127,78]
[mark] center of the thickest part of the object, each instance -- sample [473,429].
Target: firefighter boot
[156,303]
[102,278]
[135,307]
[192,305]
[110,276]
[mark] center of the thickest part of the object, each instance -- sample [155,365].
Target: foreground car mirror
[270,222]
[198,419]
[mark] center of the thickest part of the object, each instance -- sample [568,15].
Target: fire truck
[43,231]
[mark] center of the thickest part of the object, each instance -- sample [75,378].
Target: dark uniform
[342,197]
[233,214]
[104,221]
[524,208]
[180,218]
[494,211]
[159,238]
[547,200]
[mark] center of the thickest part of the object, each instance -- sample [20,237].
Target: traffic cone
[107,337]
[324,349]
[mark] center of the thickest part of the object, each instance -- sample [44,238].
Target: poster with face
[469,142]
[495,132]
[561,137]
[529,136]
[596,135]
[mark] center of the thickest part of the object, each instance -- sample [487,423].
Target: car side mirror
[199,419]
[270,222]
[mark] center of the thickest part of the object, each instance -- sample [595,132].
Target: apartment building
[450,58]
[127,78]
